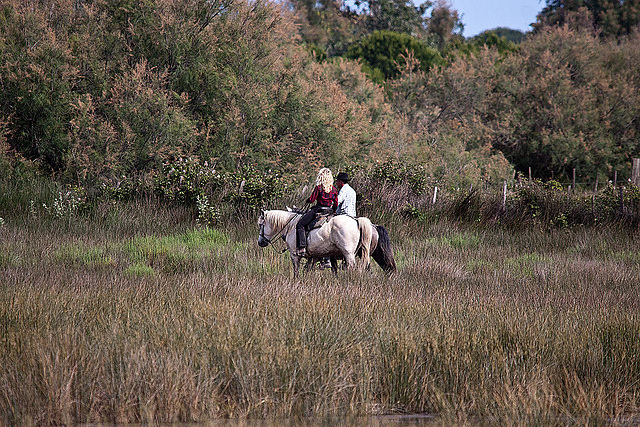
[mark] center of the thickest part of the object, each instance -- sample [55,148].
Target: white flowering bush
[258,189]
[207,214]
[185,179]
[67,203]
[190,182]
[122,188]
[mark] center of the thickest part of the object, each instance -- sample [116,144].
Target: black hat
[342,176]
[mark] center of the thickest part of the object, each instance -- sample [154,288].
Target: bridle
[279,234]
[262,236]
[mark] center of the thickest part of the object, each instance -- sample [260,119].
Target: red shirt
[324,199]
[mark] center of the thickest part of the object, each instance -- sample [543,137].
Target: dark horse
[381,250]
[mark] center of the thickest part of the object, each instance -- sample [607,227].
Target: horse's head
[262,223]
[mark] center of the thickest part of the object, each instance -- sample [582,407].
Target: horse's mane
[279,219]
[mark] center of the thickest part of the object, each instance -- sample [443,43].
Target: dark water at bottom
[413,420]
[371,421]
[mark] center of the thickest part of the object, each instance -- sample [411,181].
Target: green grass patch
[177,253]
[139,270]
[460,240]
[7,258]
[195,241]
[81,255]
[627,257]
[525,264]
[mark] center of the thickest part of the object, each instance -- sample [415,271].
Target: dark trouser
[302,225]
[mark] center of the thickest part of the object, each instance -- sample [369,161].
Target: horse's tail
[383,253]
[364,245]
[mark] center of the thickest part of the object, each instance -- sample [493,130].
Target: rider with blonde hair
[326,197]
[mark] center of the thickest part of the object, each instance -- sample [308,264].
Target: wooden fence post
[635,172]
[573,181]
[504,194]
[435,195]
[615,179]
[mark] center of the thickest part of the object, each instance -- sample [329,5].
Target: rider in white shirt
[346,203]
[346,196]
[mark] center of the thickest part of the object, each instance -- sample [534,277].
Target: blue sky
[481,15]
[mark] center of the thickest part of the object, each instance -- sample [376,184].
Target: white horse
[340,237]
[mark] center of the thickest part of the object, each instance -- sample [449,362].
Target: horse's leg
[334,264]
[311,263]
[295,260]
[350,259]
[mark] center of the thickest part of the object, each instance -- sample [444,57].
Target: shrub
[257,189]
[67,202]
[396,172]
[183,180]
[189,182]
[207,214]
[619,205]
[386,51]
[123,188]
[390,188]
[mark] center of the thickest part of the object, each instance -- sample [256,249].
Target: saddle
[323,216]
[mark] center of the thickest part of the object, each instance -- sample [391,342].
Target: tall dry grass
[134,314]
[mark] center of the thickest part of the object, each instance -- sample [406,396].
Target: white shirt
[347,201]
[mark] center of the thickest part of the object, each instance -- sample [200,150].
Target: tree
[610,18]
[395,15]
[557,103]
[447,112]
[327,26]
[386,51]
[38,72]
[444,25]
[474,46]
[564,99]
[513,36]
[93,90]
[492,39]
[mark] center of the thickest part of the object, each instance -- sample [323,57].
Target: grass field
[134,313]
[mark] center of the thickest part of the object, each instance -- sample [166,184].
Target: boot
[302,242]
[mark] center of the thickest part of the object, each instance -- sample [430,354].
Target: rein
[279,234]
